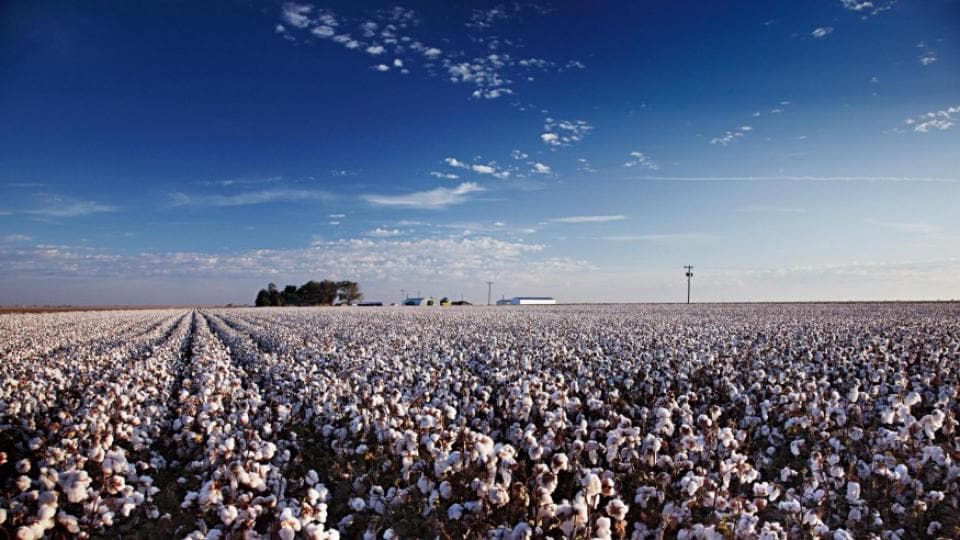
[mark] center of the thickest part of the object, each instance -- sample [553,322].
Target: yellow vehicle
[444,302]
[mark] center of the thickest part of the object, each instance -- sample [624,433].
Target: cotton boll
[455,512]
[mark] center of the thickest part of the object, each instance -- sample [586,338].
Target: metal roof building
[532,301]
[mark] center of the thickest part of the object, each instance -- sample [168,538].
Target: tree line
[311,293]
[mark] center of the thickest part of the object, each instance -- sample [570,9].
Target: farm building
[532,301]
[418,302]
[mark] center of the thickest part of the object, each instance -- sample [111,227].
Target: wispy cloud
[433,199]
[766,209]
[384,233]
[490,168]
[941,120]
[10,238]
[657,237]
[822,32]
[731,136]
[913,227]
[921,179]
[364,259]
[444,175]
[588,219]
[250,197]
[60,206]
[639,159]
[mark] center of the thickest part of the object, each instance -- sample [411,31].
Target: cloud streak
[588,219]
[250,198]
[433,199]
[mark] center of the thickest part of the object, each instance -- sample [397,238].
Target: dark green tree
[263,298]
[289,295]
[275,298]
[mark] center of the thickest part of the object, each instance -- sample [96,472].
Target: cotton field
[695,422]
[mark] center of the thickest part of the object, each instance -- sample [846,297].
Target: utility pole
[689,275]
[403,293]
[489,290]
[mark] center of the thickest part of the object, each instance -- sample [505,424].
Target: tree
[263,298]
[275,298]
[349,291]
[289,296]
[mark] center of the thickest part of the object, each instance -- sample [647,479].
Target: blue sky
[182,152]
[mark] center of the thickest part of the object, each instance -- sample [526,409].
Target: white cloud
[16,238]
[483,169]
[821,32]
[59,206]
[587,219]
[375,50]
[384,233]
[323,31]
[639,159]
[540,168]
[868,8]
[380,67]
[583,165]
[250,197]
[941,120]
[366,260]
[731,136]
[564,132]
[454,162]
[856,5]
[337,216]
[928,58]
[432,53]
[433,199]
[517,154]
[297,15]
[905,179]
[445,176]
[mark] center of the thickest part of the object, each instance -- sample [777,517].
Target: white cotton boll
[68,522]
[853,492]
[498,496]
[617,509]
[791,506]
[913,398]
[455,512]
[357,504]
[23,483]
[228,514]
[389,534]
[842,534]
[602,531]
[23,466]
[3,516]
[795,446]
[446,489]
[312,478]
